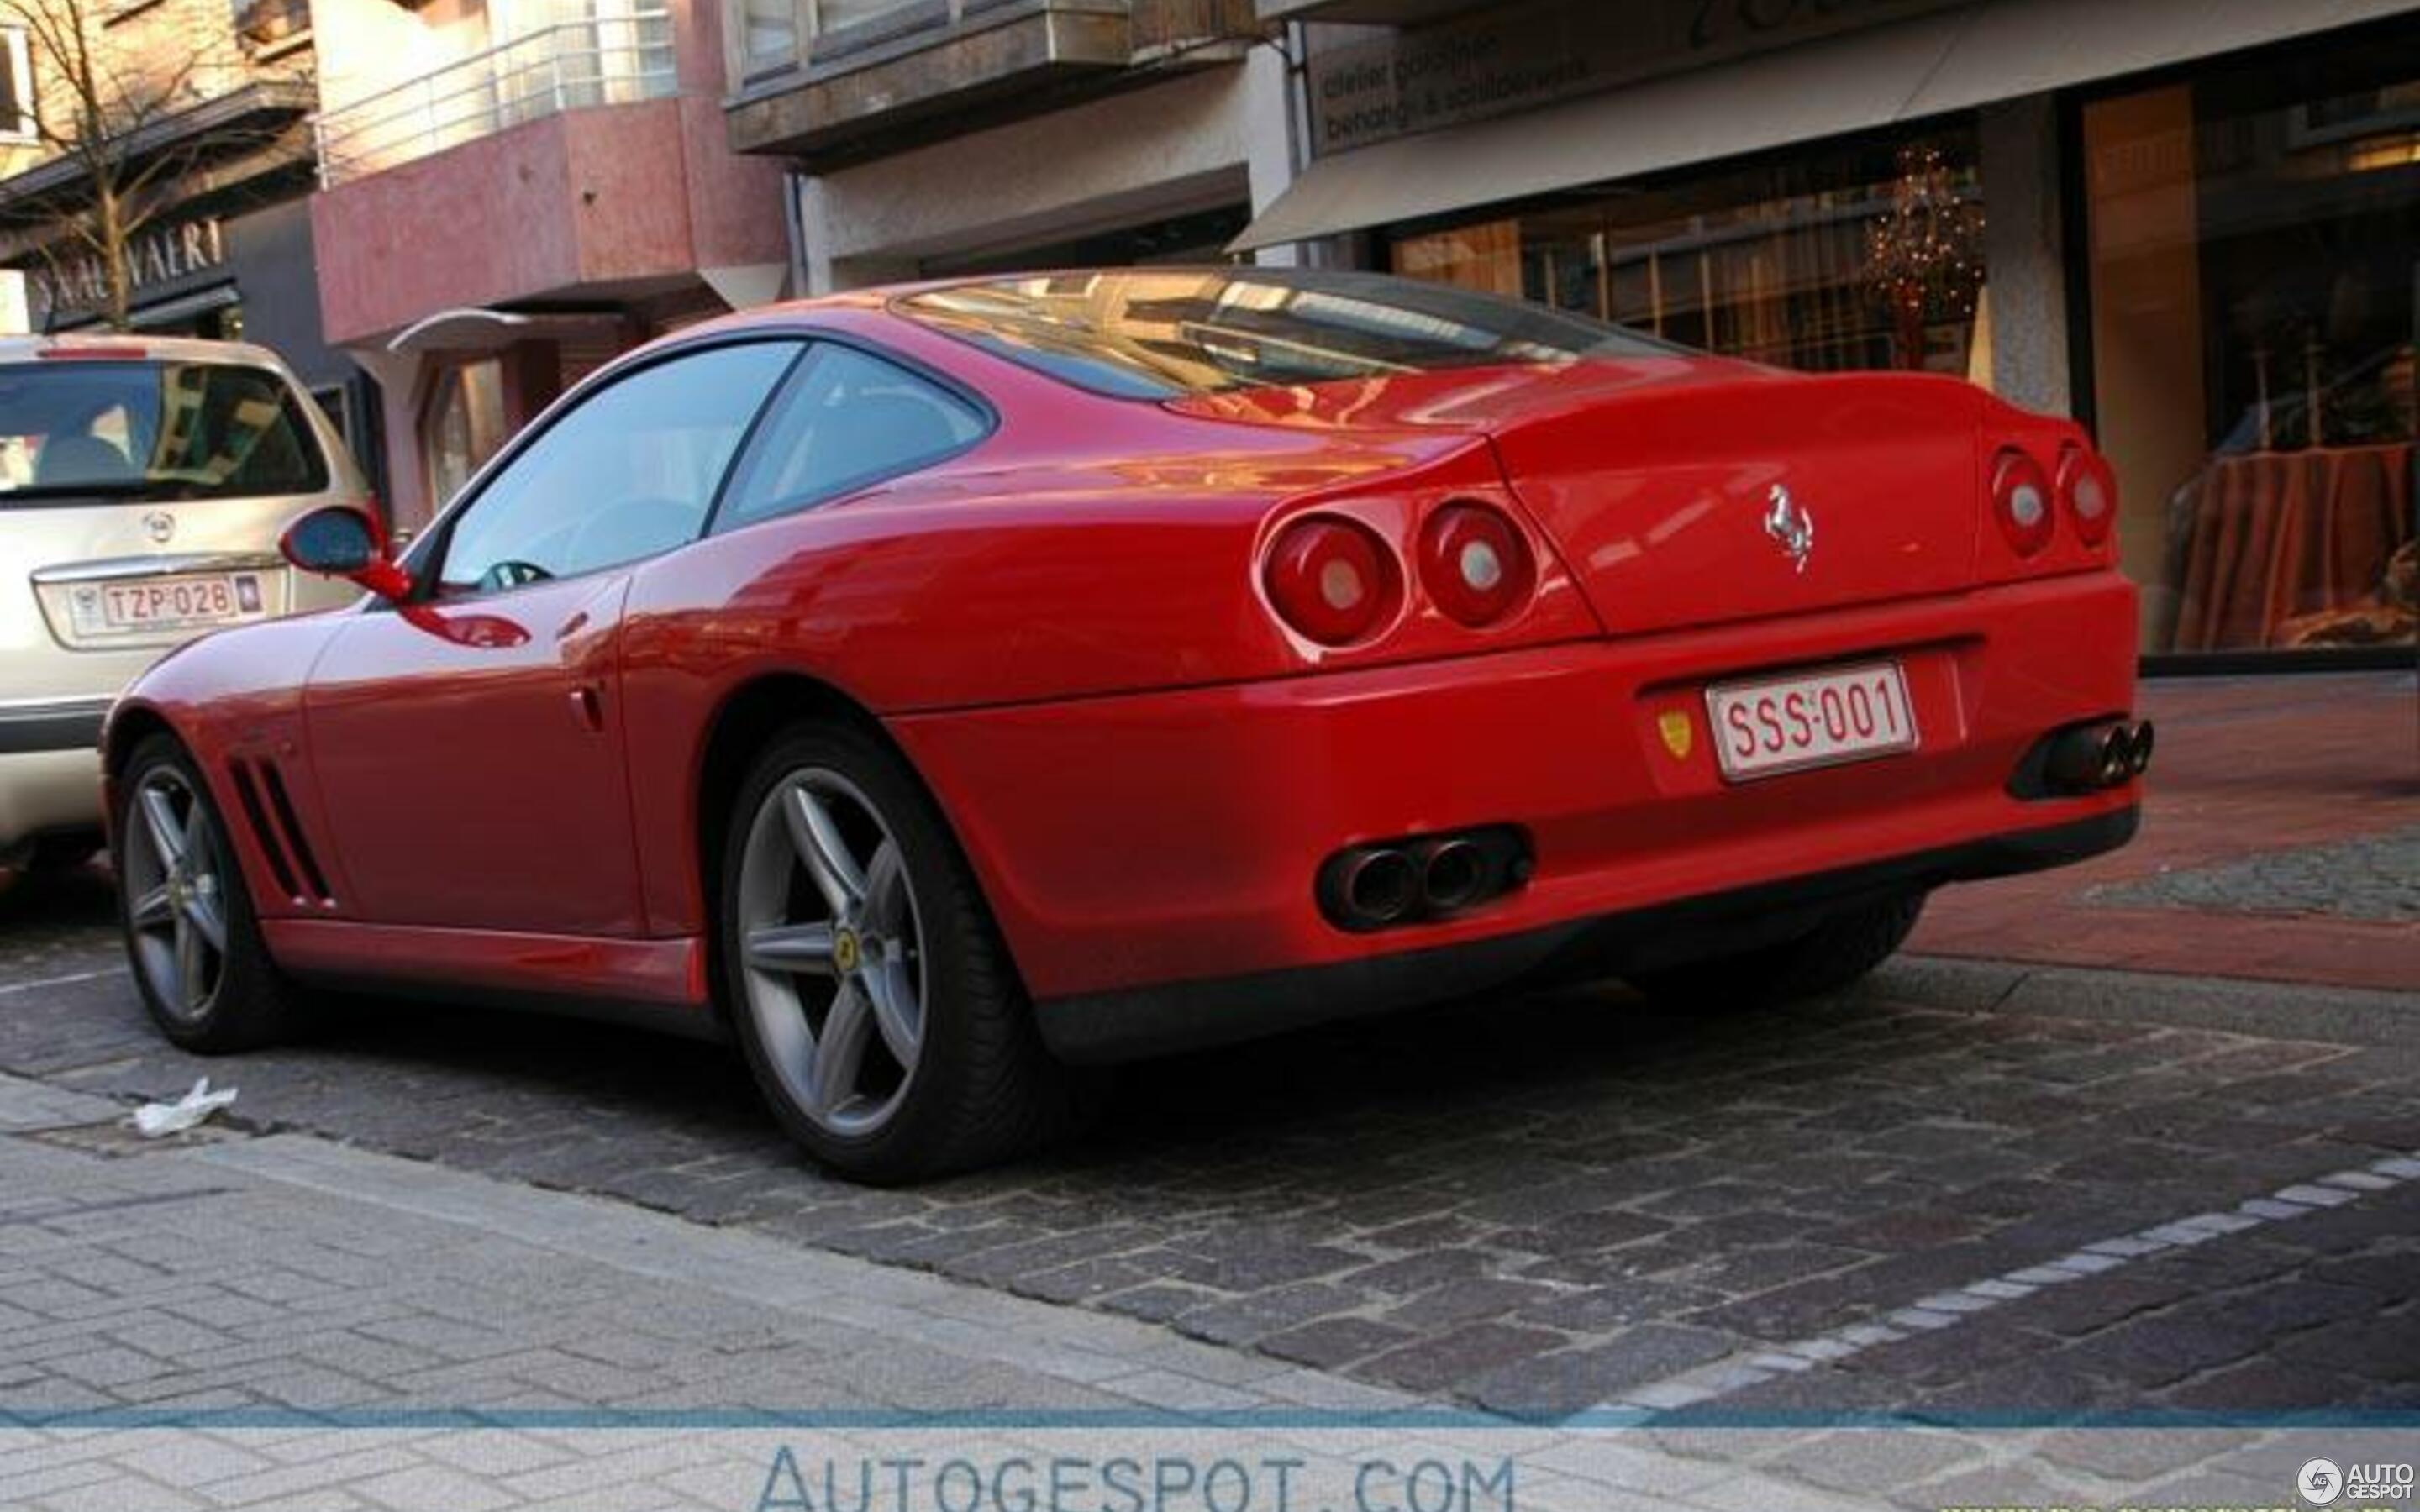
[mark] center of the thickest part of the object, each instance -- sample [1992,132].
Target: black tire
[1841,951]
[250,1003]
[984,1088]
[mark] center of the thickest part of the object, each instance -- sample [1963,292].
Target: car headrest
[68,460]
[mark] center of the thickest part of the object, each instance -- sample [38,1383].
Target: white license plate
[140,604]
[1788,724]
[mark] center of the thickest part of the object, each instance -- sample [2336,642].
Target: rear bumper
[67,724]
[1105,1027]
[49,792]
[1137,844]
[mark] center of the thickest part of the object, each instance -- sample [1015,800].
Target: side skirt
[658,984]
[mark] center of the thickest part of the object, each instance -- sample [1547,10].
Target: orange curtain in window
[2278,547]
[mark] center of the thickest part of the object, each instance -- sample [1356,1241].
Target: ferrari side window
[843,421]
[626,474]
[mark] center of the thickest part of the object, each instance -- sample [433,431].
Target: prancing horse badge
[1678,730]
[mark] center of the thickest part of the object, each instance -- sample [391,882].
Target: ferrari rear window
[1163,333]
[81,430]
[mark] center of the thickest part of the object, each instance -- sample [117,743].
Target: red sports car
[936,689]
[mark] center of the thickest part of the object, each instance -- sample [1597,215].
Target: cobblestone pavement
[1539,1206]
[284,1323]
[2374,877]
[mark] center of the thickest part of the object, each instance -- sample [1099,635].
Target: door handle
[588,707]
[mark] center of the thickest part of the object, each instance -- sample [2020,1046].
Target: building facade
[934,138]
[2195,226]
[200,112]
[512,192]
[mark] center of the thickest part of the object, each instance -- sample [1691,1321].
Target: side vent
[293,831]
[247,792]
[260,787]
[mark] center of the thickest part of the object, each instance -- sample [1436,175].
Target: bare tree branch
[104,102]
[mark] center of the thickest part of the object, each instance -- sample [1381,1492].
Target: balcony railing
[610,61]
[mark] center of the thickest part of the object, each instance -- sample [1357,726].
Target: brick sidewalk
[281,1323]
[2281,841]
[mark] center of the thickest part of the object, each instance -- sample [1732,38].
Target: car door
[469,744]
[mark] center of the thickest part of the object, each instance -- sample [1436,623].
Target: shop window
[464,425]
[1862,255]
[16,86]
[2252,275]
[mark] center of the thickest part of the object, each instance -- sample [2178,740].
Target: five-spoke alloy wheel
[175,907]
[863,974]
[832,951]
[191,935]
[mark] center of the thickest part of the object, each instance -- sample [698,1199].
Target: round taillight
[1475,565]
[1331,581]
[2089,492]
[2021,498]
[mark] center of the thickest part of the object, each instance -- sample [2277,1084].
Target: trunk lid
[1684,490]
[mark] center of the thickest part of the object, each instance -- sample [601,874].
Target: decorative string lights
[1924,254]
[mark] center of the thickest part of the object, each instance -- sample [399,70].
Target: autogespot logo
[2322,1483]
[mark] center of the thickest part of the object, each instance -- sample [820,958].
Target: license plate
[142,603]
[1788,724]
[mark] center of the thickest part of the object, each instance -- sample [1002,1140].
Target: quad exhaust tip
[2093,757]
[1386,883]
[1381,886]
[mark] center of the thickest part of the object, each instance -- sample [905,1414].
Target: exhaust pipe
[1454,875]
[2117,760]
[1380,886]
[2140,761]
[2090,758]
[2076,758]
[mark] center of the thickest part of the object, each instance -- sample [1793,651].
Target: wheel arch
[748,717]
[129,726]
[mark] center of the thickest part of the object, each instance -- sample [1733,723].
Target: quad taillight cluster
[1336,581]
[2029,503]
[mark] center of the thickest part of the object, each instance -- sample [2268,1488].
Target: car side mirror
[345,540]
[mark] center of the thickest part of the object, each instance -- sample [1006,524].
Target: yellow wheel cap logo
[1674,725]
[845,950]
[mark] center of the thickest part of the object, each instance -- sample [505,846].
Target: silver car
[143,484]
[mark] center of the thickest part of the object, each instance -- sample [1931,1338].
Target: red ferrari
[937,689]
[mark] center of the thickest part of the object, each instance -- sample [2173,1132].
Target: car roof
[138,348]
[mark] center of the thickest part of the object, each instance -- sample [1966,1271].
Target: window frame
[17,61]
[987,416]
[424,561]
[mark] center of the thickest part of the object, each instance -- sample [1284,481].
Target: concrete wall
[1195,142]
[601,195]
[569,199]
[2022,256]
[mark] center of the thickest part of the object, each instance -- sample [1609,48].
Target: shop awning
[1944,61]
[476,328]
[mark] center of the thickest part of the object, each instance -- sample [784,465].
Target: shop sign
[1501,61]
[155,259]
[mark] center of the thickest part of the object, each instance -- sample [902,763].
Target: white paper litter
[156,1120]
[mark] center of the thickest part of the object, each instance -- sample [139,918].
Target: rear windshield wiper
[135,490]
